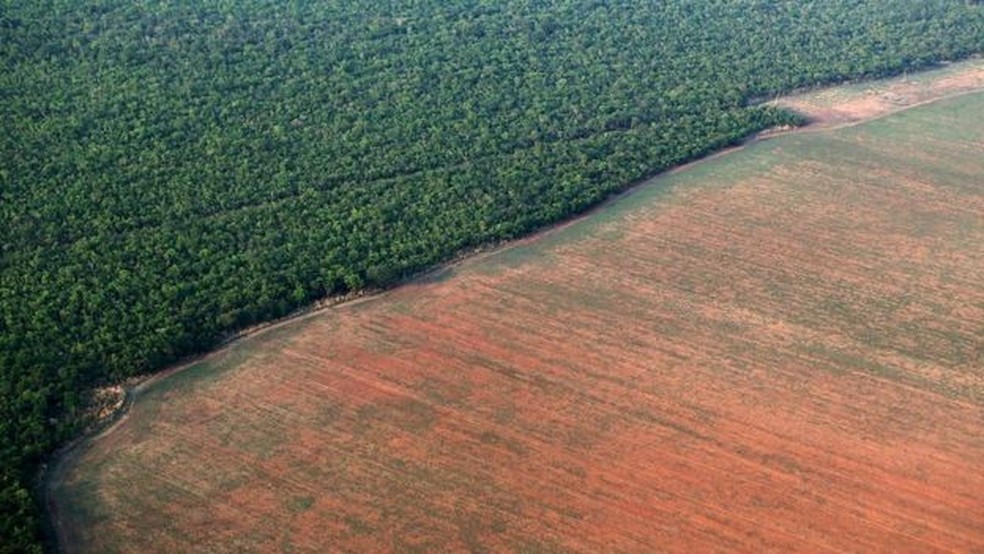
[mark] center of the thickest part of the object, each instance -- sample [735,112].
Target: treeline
[173,171]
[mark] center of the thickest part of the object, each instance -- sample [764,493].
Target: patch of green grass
[300,504]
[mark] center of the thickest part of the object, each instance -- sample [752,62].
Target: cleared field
[848,104]
[777,350]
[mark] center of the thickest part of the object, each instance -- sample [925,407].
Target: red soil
[791,362]
[843,105]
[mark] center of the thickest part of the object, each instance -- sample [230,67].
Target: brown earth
[777,350]
[844,105]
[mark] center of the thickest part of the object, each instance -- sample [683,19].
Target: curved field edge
[910,351]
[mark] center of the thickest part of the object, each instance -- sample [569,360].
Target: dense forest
[173,171]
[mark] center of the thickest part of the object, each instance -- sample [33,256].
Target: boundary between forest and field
[130,390]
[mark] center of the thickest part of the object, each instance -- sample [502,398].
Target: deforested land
[779,349]
[172,173]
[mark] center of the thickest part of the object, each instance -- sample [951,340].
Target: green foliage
[18,516]
[173,171]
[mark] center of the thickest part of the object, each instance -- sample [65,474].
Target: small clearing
[855,103]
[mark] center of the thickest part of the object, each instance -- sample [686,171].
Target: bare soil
[845,105]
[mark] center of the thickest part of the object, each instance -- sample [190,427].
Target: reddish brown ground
[851,104]
[777,350]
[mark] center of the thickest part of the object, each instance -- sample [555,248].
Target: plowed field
[781,349]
